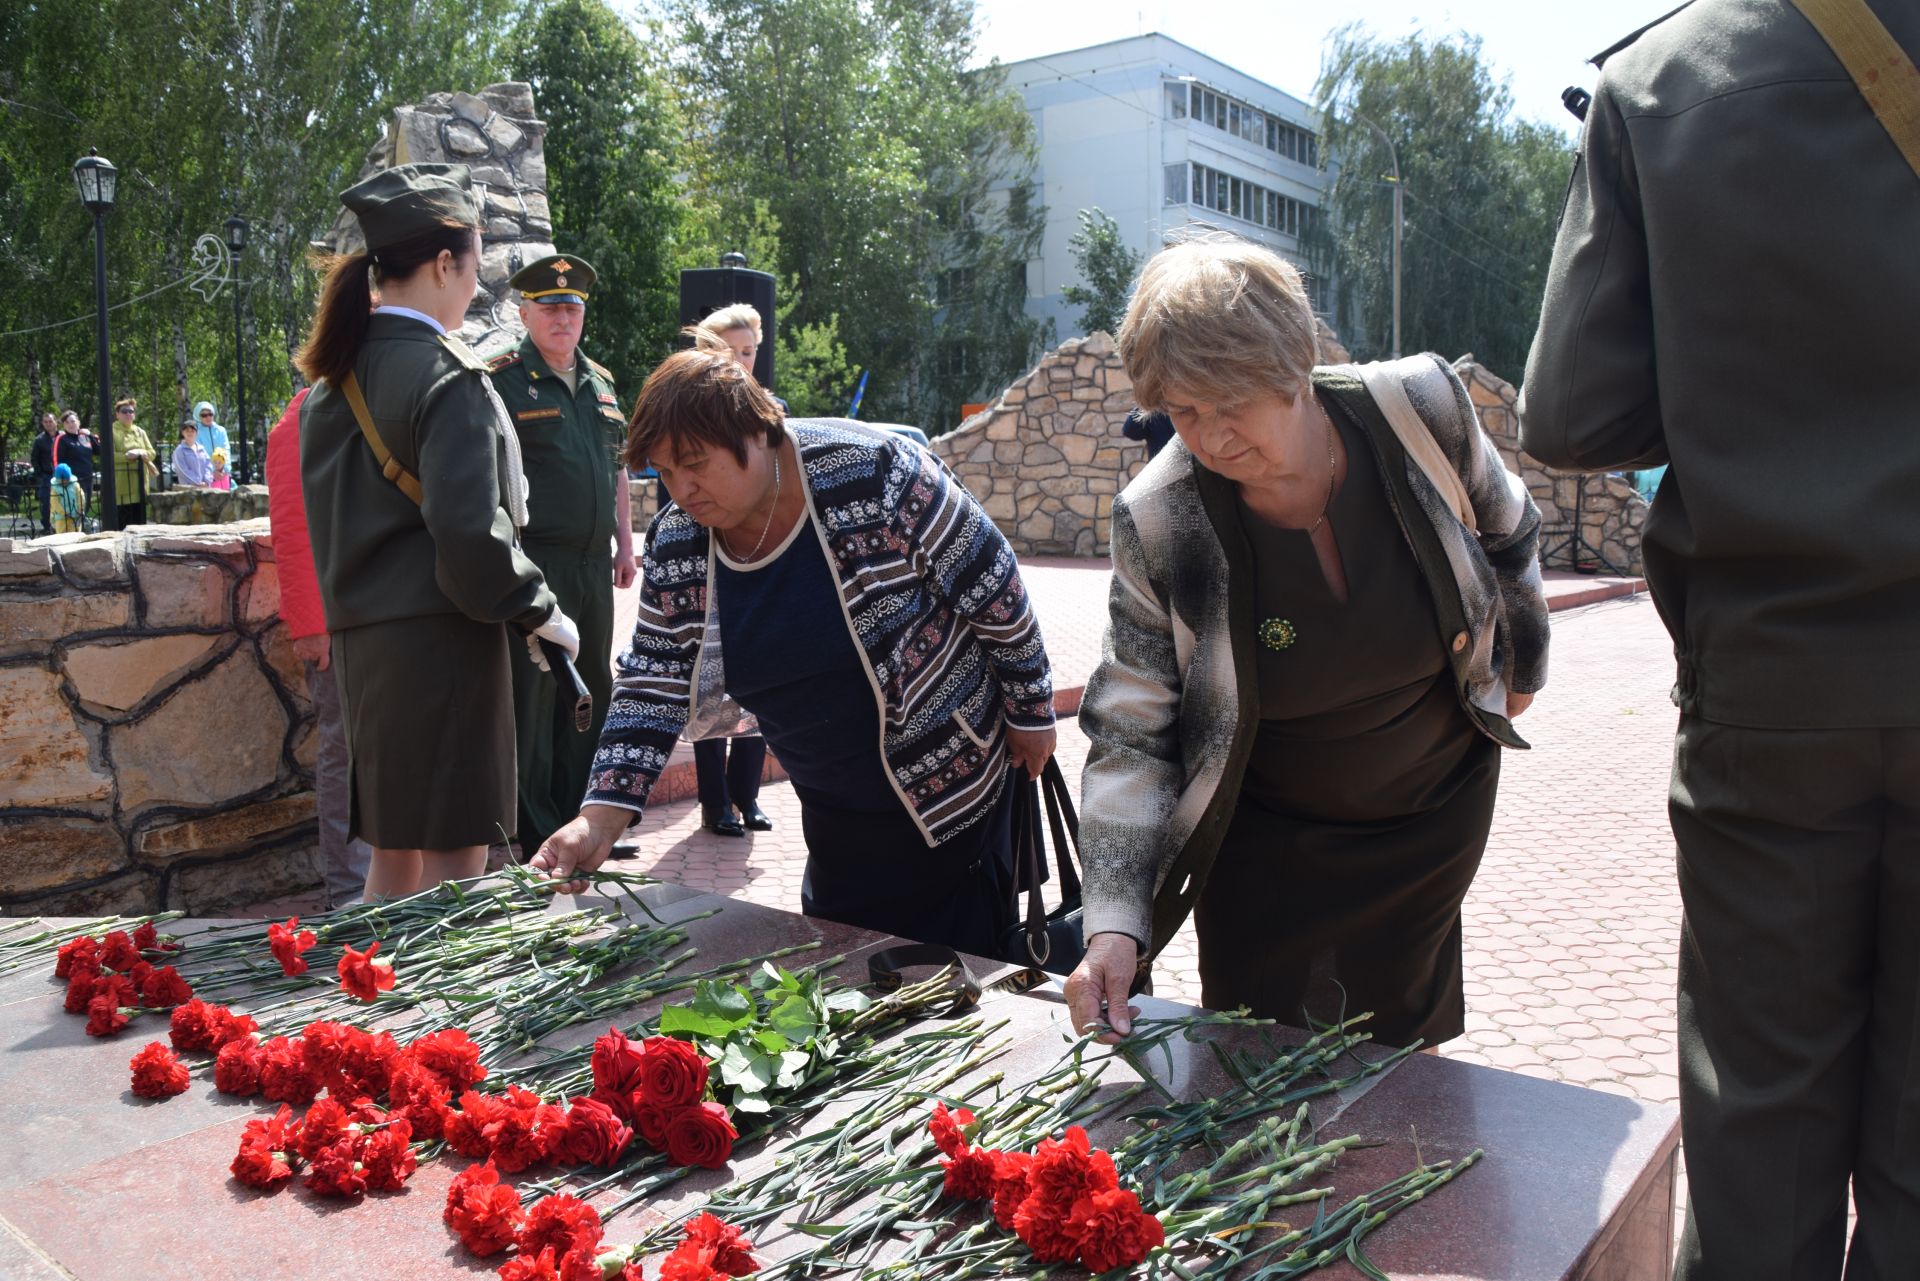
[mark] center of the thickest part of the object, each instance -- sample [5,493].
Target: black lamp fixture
[237,243]
[236,233]
[98,182]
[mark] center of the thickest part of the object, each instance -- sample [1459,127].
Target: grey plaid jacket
[1173,708]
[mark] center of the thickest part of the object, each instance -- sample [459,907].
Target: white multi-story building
[1162,137]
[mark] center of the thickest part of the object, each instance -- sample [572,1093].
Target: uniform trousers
[1799,869]
[553,758]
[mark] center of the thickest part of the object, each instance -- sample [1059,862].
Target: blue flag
[853,411]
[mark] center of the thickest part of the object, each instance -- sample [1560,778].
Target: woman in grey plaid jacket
[1319,636]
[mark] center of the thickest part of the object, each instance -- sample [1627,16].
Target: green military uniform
[1735,291]
[570,438]
[427,597]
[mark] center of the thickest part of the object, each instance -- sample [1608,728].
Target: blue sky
[1541,46]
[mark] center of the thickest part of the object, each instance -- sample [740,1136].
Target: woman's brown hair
[702,396]
[346,299]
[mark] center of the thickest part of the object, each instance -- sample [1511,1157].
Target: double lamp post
[98,181]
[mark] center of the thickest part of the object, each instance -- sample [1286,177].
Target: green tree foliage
[888,167]
[610,175]
[1483,194]
[1107,267]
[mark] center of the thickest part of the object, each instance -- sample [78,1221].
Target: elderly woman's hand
[1097,988]
[581,846]
[1030,748]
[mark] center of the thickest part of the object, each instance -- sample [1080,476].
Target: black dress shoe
[756,818]
[721,824]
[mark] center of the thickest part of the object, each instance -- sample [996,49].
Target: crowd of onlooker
[65,463]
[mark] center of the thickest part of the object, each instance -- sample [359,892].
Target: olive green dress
[1366,802]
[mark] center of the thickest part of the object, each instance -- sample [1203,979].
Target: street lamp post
[1399,220]
[237,242]
[97,180]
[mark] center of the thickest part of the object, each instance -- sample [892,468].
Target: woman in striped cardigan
[875,625]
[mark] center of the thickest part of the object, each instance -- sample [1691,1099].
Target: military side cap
[555,278]
[399,203]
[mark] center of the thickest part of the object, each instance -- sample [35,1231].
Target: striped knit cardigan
[931,594]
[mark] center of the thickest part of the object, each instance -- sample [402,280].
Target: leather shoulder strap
[1881,69]
[390,466]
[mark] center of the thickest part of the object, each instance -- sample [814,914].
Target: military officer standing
[570,426]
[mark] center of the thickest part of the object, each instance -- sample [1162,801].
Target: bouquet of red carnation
[1063,1200]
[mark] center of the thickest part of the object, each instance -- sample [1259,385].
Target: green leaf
[724,1000]
[681,1021]
[772,1042]
[751,1103]
[748,1069]
[794,1019]
[848,1001]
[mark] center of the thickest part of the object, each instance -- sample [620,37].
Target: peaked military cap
[555,278]
[398,203]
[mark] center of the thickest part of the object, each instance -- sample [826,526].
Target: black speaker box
[705,290]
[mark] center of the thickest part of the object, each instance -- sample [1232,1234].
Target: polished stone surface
[1575,1185]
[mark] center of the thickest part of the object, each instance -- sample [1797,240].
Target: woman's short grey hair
[742,315]
[1219,319]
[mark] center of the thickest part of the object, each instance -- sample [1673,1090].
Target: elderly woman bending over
[1320,629]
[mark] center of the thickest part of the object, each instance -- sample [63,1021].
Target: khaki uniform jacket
[378,556]
[569,439]
[1736,291]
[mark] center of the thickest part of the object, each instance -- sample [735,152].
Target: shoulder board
[598,368]
[468,358]
[1600,59]
[504,360]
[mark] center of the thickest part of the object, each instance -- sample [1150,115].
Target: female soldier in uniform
[415,499]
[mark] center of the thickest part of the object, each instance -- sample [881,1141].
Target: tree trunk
[33,385]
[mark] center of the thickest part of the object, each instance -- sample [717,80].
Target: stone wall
[494,133]
[1612,513]
[206,506]
[155,724]
[1047,457]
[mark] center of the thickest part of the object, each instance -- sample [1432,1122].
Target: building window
[956,359]
[1174,178]
[1243,120]
[1176,102]
[953,285]
[1245,200]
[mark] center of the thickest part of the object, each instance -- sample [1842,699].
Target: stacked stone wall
[1047,457]
[155,723]
[1612,513]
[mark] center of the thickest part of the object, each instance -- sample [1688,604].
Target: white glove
[560,630]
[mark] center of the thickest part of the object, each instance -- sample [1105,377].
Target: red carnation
[325,1044]
[730,1245]
[365,1064]
[691,1261]
[80,986]
[117,951]
[593,1135]
[1066,1169]
[146,937]
[970,1174]
[337,1170]
[1114,1231]
[1010,1170]
[287,942]
[650,1123]
[82,950]
[236,1069]
[949,1128]
[104,1016]
[672,1073]
[138,973]
[466,1126]
[363,977]
[164,988]
[483,1212]
[325,1124]
[527,1130]
[531,1267]
[452,1056]
[189,1026]
[158,1073]
[284,1075]
[561,1223]
[266,1150]
[701,1135]
[616,1063]
[420,1096]
[387,1156]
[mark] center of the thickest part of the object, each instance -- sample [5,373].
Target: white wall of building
[1106,136]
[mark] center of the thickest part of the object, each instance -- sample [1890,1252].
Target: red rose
[117,951]
[949,1129]
[616,1063]
[363,977]
[1114,1232]
[104,1017]
[701,1135]
[561,1223]
[337,1170]
[236,1069]
[531,1267]
[621,1105]
[82,949]
[483,1212]
[284,1075]
[164,988]
[287,942]
[80,986]
[452,1056]
[1010,1171]
[650,1123]
[970,1174]
[672,1073]
[387,1156]
[267,1150]
[158,1073]
[593,1136]
[730,1245]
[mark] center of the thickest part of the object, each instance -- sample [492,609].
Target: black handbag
[1050,941]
